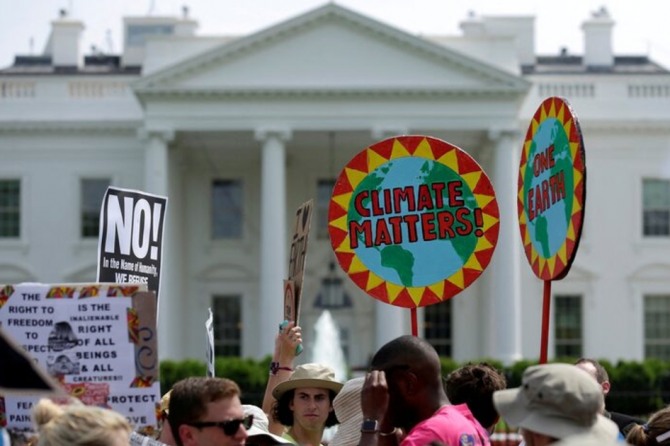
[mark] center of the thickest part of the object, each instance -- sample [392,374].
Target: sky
[641,25]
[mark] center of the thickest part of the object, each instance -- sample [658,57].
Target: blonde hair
[655,432]
[78,425]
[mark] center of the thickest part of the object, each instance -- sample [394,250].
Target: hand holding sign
[289,309]
[289,342]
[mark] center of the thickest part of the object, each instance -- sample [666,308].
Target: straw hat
[165,402]
[309,375]
[260,426]
[347,405]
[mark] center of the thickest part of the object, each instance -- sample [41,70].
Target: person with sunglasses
[207,412]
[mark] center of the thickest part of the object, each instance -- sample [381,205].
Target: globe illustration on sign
[413,260]
[552,189]
[548,178]
[413,220]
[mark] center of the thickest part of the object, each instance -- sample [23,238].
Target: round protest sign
[552,189]
[413,220]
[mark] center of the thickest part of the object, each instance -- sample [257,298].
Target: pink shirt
[451,425]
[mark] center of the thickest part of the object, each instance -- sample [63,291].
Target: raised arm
[286,342]
[377,429]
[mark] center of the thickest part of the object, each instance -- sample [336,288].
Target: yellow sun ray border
[431,149]
[557,266]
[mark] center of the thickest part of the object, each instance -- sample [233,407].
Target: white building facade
[238,132]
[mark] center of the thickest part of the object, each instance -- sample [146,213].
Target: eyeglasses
[229,427]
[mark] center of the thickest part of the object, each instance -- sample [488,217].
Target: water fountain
[328,350]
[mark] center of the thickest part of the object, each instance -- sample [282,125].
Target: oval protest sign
[413,220]
[552,189]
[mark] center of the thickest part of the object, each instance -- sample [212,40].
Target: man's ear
[186,435]
[606,387]
[410,384]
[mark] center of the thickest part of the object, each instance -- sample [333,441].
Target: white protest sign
[97,340]
[209,331]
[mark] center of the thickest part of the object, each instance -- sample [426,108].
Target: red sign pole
[413,317]
[546,311]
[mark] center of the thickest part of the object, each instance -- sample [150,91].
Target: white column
[505,290]
[390,322]
[156,162]
[156,181]
[273,253]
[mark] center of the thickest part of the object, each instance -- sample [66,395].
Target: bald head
[410,352]
[412,370]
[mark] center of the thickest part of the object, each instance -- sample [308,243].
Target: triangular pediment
[331,49]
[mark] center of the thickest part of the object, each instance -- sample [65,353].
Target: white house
[238,132]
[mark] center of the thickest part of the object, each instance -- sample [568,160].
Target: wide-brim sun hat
[254,432]
[259,428]
[347,406]
[558,400]
[313,375]
[165,402]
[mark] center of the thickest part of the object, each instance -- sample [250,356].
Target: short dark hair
[190,396]
[601,373]
[474,384]
[282,413]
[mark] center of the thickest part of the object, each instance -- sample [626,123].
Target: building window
[92,193]
[227,311]
[10,208]
[656,204]
[437,327]
[568,326]
[227,209]
[657,326]
[332,295]
[137,34]
[324,190]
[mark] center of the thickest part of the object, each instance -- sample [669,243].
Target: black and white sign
[131,237]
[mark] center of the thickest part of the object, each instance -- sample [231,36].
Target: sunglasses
[229,427]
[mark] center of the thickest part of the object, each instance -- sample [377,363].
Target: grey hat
[558,400]
[588,440]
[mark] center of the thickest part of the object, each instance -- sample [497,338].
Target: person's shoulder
[455,411]
[286,436]
[622,419]
[624,422]
[448,425]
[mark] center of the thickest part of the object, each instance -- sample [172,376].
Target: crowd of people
[402,400]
